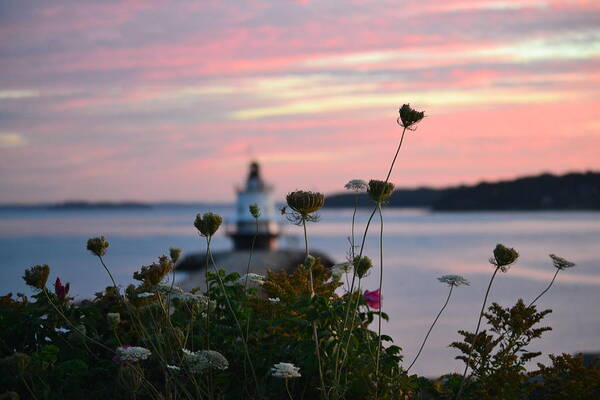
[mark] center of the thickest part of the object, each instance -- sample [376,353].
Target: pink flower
[61,290]
[373,298]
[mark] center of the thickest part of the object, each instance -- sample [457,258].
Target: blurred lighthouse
[255,191]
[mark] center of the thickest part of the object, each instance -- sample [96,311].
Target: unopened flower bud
[254,210]
[379,191]
[98,245]
[309,261]
[504,256]
[208,223]
[113,319]
[362,265]
[37,276]
[175,253]
[409,116]
[304,202]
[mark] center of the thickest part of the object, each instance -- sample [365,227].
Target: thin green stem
[251,252]
[545,290]
[395,156]
[108,271]
[287,389]
[431,328]
[380,304]
[487,292]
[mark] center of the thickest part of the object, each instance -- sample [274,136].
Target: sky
[170,100]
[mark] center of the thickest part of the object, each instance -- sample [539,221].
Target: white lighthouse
[256,191]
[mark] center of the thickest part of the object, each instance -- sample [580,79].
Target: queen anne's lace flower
[173,367]
[201,360]
[145,294]
[454,280]
[274,299]
[132,354]
[340,269]
[255,281]
[560,262]
[285,370]
[357,185]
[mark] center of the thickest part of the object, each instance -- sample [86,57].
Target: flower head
[208,223]
[454,280]
[340,269]
[113,319]
[131,354]
[379,191]
[274,299]
[98,246]
[197,362]
[304,202]
[362,265]
[285,370]
[561,263]
[175,253]
[409,117]
[503,257]
[254,210]
[357,185]
[254,281]
[37,276]
[61,290]
[373,298]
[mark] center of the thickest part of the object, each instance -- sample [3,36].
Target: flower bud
[362,265]
[304,202]
[175,253]
[504,256]
[254,210]
[561,263]
[98,245]
[379,191]
[113,319]
[409,116]
[61,290]
[309,261]
[208,223]
[37,276]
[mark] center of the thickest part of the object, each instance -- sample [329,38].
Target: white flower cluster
[274,299]
[166,288]
[454,280]
[201,360]
[340,269]
[357,185]
[285,370]
[143,295]
[132,353]
[255,281]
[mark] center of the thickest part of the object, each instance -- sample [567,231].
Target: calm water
[418,247]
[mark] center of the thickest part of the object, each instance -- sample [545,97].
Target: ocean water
[418,247]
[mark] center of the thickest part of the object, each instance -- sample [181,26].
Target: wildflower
[253,281]
[362,265]
[154,273]
[503,257]
[454,280]
[310,261]
[37,276]
[254,210]
[201,360]
[373,298]
[173,368]
[208,223]
[145,295]
[274,299]
[131,354]
[175,253]
[285,370]
[98,246]
[167,288]
[113,319]
[357,185]
[62,330]
[409,117]
[304,202]
[561,263]
[61,290]
[379,191]
[340,269]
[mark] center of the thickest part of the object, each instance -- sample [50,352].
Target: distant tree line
[575,191]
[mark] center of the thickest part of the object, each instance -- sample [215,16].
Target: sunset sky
[170,100]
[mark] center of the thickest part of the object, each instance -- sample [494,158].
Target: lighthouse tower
[256,192]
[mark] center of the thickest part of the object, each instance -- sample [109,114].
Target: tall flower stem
[462,382]
[395,156]
[251,252]
[431,328]
[287,389]
[108,271]
[314,324]
[381,303]
[545,290]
